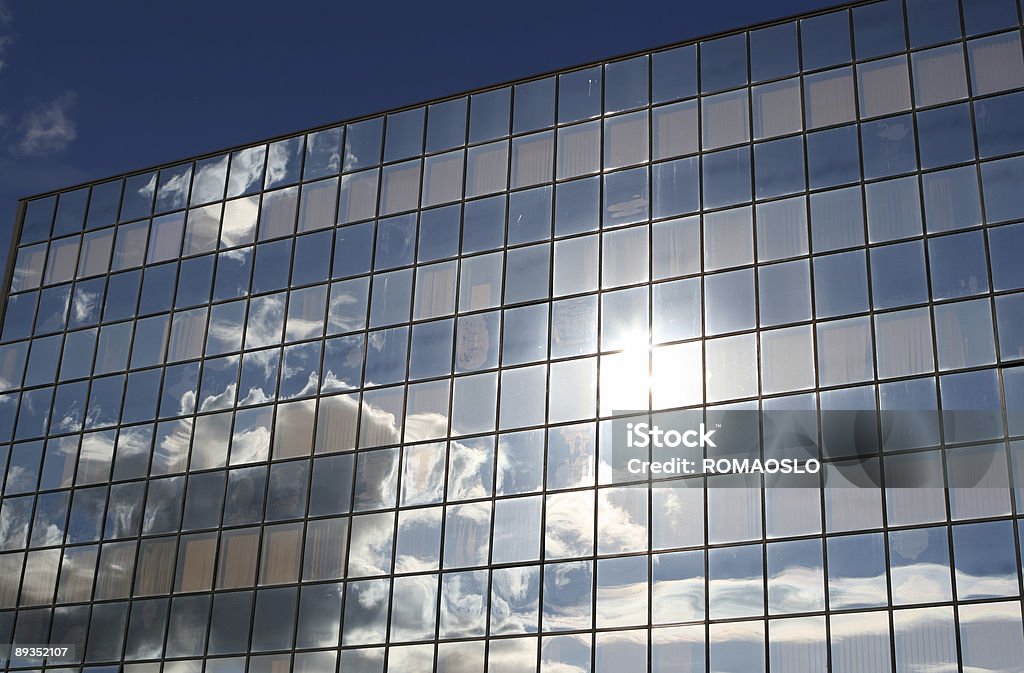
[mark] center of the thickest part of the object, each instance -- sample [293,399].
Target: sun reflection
[626,376]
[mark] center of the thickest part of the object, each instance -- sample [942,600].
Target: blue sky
[93,89]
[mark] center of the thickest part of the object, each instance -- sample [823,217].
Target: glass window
[726,177]
[576,265]
[1005,244]
[625,140]
[525,334]
[28,269]
[674,130]
[1000,179]
[856,571]
[795,578]
[1011,330]
[784,293]
[172,192]
[574,327]
[675,186]
[442,178]
[837,219]
[477,342]
[489,115]
[963,332]
[958,265]
[731,367]
[529,215]
[825,40]
[404,137]
[833,157]
[889,147]
[893,209]
[624,257]
[210,176]
[932,21]
[779,167]
[579,95]
[878,29]
[391,298]
[137,200]
[828,97]
[579,150]
[357,199]
[773,52]
[999,129]
[674,73]
[400,187]
[239,225]
[96,249]
[385,355]
[623,318]
[844,351]
[776,109]
[783,367]
[996,63]
[526,273]
[284,158]
[781,229]
[945,136]
[483,224]
[486,169]
[723,63]
[884,86]
[246,173]
[625,84]
[431,352]
[480,282]
[435,290]
[439,233]
[840,284]
[898,275]
[904,342]
[675,247]
[979,487]
[316,209]
[446,124]
[726,119]
[103,204]
[951,199]
[535,105]
[989,15]
[913,552]
[343,363]
[976,393]
[202,229]
[63,259]
[735,582]
[939,75]
[363,144]
[728,239]
[988,635]
[277,213]
[626,199]
[522,397]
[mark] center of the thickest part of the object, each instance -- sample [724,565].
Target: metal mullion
[449,439]
[543,494]
[316,408]
[400,449]
[649,165]
[176,535]
[364,331]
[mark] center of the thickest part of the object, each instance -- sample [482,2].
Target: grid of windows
[340,399]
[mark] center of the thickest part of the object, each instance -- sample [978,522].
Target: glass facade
[341,401]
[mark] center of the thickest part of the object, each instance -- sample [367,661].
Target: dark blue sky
[90,89]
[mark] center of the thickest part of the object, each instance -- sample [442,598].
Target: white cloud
[48,128]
